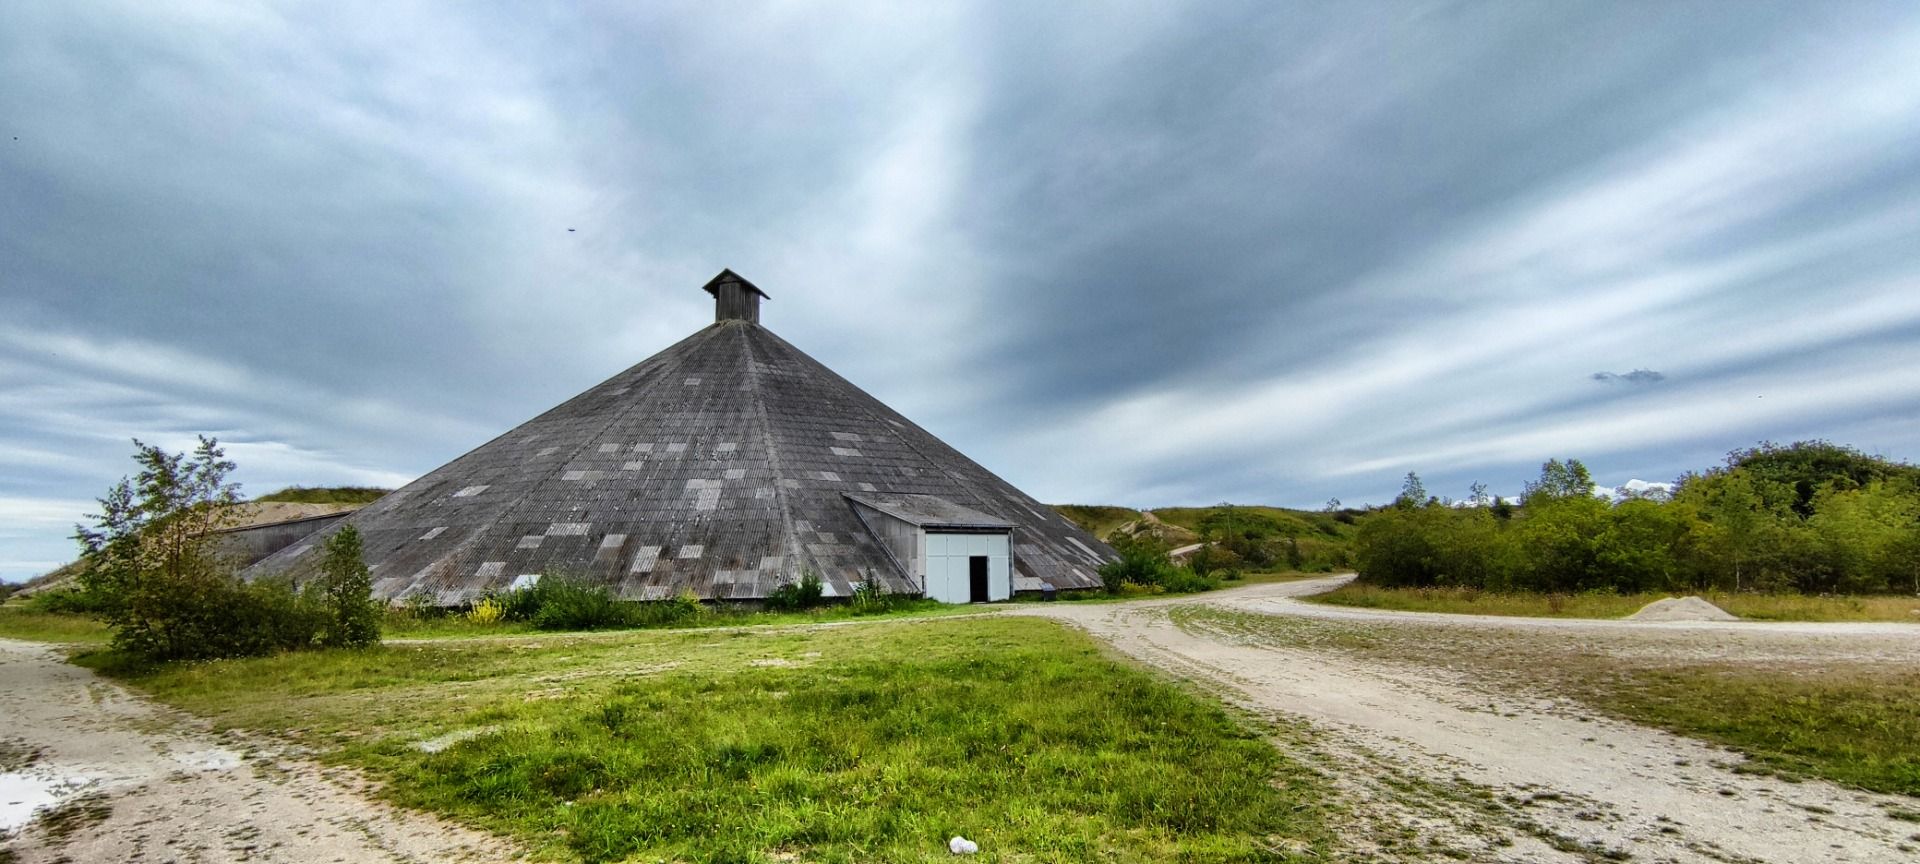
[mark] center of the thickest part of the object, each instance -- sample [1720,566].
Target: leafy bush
[807,593]
[344,593]
[150,568]
[571,604]
[70,601]
[678,609]
[1141,567]
[208,616]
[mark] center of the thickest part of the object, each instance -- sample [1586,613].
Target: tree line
[1810,517]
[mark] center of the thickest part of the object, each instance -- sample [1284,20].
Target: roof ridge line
[894,430]
[791,548]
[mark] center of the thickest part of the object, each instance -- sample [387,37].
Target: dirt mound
[1682,609]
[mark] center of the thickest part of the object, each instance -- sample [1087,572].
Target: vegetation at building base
[153,576]
[325,495]
[570,603]
[1812,518]
[835,744]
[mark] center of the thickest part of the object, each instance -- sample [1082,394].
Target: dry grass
[1762,607]
[1852,721]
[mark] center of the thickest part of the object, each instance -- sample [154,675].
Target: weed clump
[806,593]
[561,602]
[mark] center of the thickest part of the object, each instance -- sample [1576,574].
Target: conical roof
[721,465]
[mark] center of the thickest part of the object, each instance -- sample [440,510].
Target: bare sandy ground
[128,781]
[1501,774]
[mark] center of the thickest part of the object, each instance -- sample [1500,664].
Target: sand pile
[1681,609]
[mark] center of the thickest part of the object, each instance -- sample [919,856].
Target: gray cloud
[1637,376]
[1144,254]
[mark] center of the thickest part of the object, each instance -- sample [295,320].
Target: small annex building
[727,465]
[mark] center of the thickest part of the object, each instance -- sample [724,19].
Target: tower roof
[721,465]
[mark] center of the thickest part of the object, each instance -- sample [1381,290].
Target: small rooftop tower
[734,298]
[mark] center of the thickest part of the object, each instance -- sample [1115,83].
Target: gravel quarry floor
[1480,768]
[122,780]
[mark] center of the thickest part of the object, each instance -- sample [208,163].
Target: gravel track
[129,781]
[1497,773]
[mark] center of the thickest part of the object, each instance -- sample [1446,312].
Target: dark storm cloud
[1149,253]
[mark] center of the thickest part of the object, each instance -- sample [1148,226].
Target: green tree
[345,592]
[1413,493]
[1559,480]
[155,576]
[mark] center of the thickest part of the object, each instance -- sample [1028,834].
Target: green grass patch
[22,622]
[1854,723]
[868,743]
[1289,523]
[1766,607]
[1095,519]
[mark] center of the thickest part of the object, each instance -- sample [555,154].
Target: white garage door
[950,566]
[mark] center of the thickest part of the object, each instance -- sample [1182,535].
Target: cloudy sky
[1148,253]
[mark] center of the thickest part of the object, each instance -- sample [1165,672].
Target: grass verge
[1851,722]
[20,622]
[871,743]
[1760,607]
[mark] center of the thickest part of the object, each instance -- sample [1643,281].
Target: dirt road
[118,779]
[1502,774]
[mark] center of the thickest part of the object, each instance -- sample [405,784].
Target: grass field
[1762,607]
[20,622]
[1854,723]
[862,743]
[1292,522]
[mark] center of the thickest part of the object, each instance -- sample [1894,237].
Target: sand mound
[1681,609]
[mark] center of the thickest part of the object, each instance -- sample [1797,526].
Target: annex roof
[928,511]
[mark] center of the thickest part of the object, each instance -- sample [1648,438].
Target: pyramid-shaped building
[727,465]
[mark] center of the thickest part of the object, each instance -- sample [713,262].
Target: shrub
[678,609]
[70,601]
[571,604]
[795,596]
[344,593]
[1144,567]
[873,598]
[212,615]
[488,611]
[152,572]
